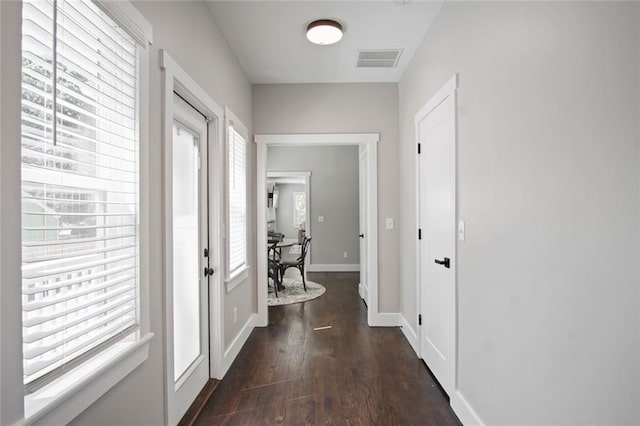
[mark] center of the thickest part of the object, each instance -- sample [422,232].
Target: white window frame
[64,398]
[241,275]
[295,209]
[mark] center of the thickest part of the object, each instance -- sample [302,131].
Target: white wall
[346,108]
[548,186]
[334,195]
[188,33]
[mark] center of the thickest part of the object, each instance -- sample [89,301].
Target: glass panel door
[186,252]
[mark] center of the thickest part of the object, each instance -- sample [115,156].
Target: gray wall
[284,222]
[188,33]
[334,195]
[346,108]
[11,395]
[548,187]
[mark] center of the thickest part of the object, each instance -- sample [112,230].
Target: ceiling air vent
[378,58]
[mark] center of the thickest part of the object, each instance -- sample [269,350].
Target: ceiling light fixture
[324,31]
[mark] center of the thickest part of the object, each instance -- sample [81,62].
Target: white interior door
[364,284]
[437,216]
[189,357]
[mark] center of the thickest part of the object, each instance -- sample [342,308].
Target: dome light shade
[324,31]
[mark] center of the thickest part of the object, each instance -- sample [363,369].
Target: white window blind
[237,182]
[80,251]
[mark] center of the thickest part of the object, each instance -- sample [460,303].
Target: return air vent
[378,58]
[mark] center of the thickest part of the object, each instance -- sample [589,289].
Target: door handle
[208,271]
[446,262]
[361,235]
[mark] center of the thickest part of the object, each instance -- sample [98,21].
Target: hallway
[287,373]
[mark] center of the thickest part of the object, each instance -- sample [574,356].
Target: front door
[189,325]
[437,251]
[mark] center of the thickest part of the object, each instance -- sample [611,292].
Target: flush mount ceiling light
[324,31]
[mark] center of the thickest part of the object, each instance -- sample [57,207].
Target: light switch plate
[461,230]
[389,222]
[320,219]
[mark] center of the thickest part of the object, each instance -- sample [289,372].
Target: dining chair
[274,267]
[298,263]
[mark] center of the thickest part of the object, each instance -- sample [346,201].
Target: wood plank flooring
[289,374]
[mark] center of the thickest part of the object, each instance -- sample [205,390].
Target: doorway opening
[366,143]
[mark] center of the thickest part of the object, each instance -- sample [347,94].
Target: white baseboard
[364,293]
[463,410]
[333,268]
[410,334]
[385,320]
[234,348]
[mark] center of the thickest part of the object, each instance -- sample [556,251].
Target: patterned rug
[294,292]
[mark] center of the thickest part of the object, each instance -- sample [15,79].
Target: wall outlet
[320,219]
[389,223]
[346,254]
[235,315]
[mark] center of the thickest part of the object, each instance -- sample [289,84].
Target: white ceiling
[268,37]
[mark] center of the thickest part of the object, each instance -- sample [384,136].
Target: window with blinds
[80,251]
[237,182]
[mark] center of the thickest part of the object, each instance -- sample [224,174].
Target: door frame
[449,89]
[307,192]
[370,140]
[176,80]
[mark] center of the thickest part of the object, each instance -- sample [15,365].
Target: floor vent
[379,58]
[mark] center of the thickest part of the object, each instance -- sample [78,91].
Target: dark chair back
[305,249]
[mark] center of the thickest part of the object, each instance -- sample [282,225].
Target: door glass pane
[186,265]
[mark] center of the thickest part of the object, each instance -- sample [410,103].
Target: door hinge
[419,319]
[419,234]
[419,146]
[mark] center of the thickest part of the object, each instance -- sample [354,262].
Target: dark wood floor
[287,373]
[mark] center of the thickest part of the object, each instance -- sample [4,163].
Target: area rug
[294,292]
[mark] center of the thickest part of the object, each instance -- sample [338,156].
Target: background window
[80,131]
[299,208]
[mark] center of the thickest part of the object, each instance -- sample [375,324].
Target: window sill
[237,279]
[66,397]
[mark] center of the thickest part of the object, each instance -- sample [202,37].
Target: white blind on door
[79,183]
[237,202]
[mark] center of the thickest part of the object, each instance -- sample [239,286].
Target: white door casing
[436,134]
[177,81]
[370,139]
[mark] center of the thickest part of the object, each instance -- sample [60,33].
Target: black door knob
[208,271]
[446,262]
[361,235]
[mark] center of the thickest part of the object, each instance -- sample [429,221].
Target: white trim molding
[410,334]
[63,399]
[336,139]
[386,319]
[363,292]
[132,20]
[234,348]
[464,411]
[319,267]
